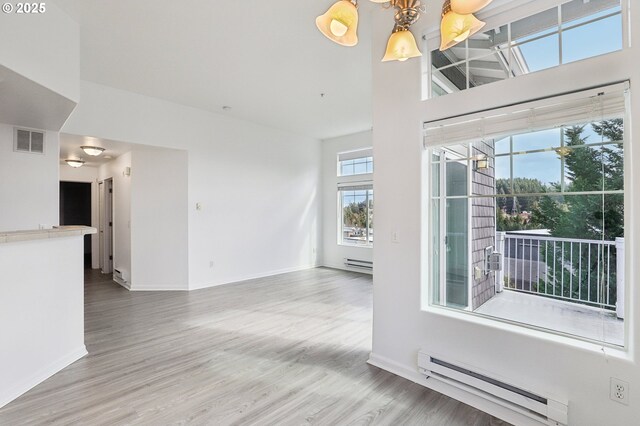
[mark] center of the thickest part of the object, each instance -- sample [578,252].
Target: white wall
[87,174]
[333,254]
[29,188]
[579,372]
[44,48]
[121,211]
[259,187]
[159,220]
[42,315]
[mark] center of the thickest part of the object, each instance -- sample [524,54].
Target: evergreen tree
[591,217]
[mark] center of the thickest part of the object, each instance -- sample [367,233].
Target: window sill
[530,331]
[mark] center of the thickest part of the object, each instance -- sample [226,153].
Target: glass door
[450,227]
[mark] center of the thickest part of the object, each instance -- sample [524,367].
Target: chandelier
[340,24]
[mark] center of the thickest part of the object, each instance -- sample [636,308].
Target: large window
[356,207]
[528,226]
[573,31]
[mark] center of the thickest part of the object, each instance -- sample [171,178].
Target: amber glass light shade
[456,28]
[340,23]
[401,46]
[465,7]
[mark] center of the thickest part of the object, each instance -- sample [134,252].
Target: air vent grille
[23,140]
[29,141]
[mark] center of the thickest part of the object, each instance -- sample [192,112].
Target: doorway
[75,209]
[106,225]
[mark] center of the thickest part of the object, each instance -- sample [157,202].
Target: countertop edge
[44,234]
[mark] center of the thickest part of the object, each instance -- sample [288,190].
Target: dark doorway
[75,209]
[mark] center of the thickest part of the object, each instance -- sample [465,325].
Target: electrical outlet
[619,391]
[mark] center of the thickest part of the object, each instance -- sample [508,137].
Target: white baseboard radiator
[120,277]
[540,408]
[360,264]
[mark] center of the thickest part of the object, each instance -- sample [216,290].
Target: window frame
[428,304]
[368,161]
[340,214]
[431,42]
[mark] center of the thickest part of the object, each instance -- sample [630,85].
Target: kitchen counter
[41,305]
[41,234]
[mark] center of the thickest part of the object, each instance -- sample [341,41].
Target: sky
[579,43]
[590,40]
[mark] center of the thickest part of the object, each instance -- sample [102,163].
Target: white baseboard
[475,401]
[252,277]
[396,368]
[141,289]
[152,288]
[342,267]
[14,391]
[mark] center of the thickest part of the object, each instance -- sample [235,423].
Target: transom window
[567,33]
[355,162]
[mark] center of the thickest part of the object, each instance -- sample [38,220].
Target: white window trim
[427,287]
[342,186]
[499,16]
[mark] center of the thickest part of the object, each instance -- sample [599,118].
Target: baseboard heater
[360,264]
[119,277]
[540,408]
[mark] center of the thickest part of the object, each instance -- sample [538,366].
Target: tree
[355,215]
[588,169]
[514,205]
[590,217]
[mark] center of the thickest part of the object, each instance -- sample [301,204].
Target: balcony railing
[587,272]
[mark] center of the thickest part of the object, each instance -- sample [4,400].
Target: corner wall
[159,223]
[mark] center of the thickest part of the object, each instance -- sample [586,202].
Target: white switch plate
[395,237]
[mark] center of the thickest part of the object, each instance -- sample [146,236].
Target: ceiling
[266,60]
[70,149]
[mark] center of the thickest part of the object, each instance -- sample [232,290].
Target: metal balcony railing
[587,272]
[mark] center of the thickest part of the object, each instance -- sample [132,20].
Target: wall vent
[359,264]
[26,140]
[541,408]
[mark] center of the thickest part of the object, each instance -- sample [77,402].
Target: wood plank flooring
[283,350]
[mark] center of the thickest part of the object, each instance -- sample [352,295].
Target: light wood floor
[283,350]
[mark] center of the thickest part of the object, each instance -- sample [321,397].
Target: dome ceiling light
[93,151]
[75,163]
[340,24]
